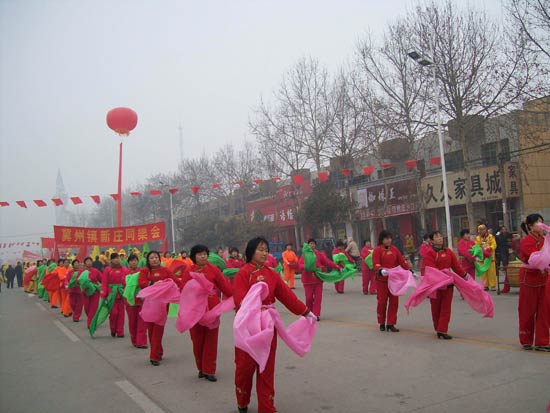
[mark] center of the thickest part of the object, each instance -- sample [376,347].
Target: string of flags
[323,176]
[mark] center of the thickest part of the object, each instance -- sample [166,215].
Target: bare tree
[480,71]
[532,18]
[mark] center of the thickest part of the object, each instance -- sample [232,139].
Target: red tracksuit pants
[314,297]
[77,303]
[205,348]
[369,284]
[90,306]
[387,303]
[155,332]
[116,317]
[245,367]
[534,310]
[136,325]
[339,286]
[441,309]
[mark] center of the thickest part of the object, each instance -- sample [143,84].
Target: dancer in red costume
[369,282]
[442,258]
[255,271]
[205,341]
[234,261]
[75,294]
[534,300]
[136,325]
[385,255]
[341,249]
[114,276]
[153,273]
[467,260]
[91,302]
[313,285]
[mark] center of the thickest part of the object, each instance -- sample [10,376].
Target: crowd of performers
[197,289]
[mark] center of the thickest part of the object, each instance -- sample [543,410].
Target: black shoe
[527,347]
[201,375]
[444,336]
[154,363]
[210,377]
[382,327]
[542,348]
[243,409]
[391,327]
[318,318]
[122,336]
[76,321]
[141,346]
[113,334]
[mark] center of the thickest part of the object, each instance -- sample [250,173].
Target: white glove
[311,315]
[384,273]
[467,277]
[414,275]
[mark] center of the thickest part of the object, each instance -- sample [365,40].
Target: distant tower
[181,143]
[60,192]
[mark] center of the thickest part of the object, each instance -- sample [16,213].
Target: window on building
[489,153]
[504,150]
[454,161]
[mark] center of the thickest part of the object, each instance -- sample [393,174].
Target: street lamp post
[423,61]
[171,218]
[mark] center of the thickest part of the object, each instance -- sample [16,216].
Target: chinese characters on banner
[399,198]
[486,184]
[279,210]
[138,234]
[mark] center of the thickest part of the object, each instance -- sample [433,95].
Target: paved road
[48,364]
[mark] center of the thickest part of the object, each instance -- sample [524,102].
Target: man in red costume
[91,302]
[313,286]
[153,273]
[115,275]
[341,249]
[205,341]
[385,255]
[467,260]
[255,271]
[369,285]
[534,299]
[442,258]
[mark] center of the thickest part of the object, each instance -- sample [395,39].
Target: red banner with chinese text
[137,234]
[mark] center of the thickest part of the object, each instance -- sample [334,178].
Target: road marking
[139,397]
[491,342]
[70,335]
[41,306]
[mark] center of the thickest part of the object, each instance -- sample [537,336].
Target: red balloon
[122,120]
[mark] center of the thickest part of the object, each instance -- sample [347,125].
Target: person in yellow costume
[488,244]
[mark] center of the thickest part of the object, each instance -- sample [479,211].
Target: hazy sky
[204,64]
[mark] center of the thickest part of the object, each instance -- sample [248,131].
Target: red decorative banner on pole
[155,192]
[48,243]
[323,176]
[173,190]
[368,170]
[435,161]
[115,197]
[411,164]
[137,234]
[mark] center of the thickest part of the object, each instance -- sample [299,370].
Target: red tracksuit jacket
[527,246]
[443,259]
[215,276]
[387,257]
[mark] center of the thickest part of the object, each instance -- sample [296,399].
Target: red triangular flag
[95,198]
[135,193]
[275,178]
[21,204]
[57,201]
[155,192]
[39,203]
[114,196]
[367,170]
[436,160]
[298,179]
[4,203]
[240,183]
[76,200]
[411,164]
[345,172]
[216,186]
[386,165]
[173,190]
[258,181]
[195,189]
[323,176]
